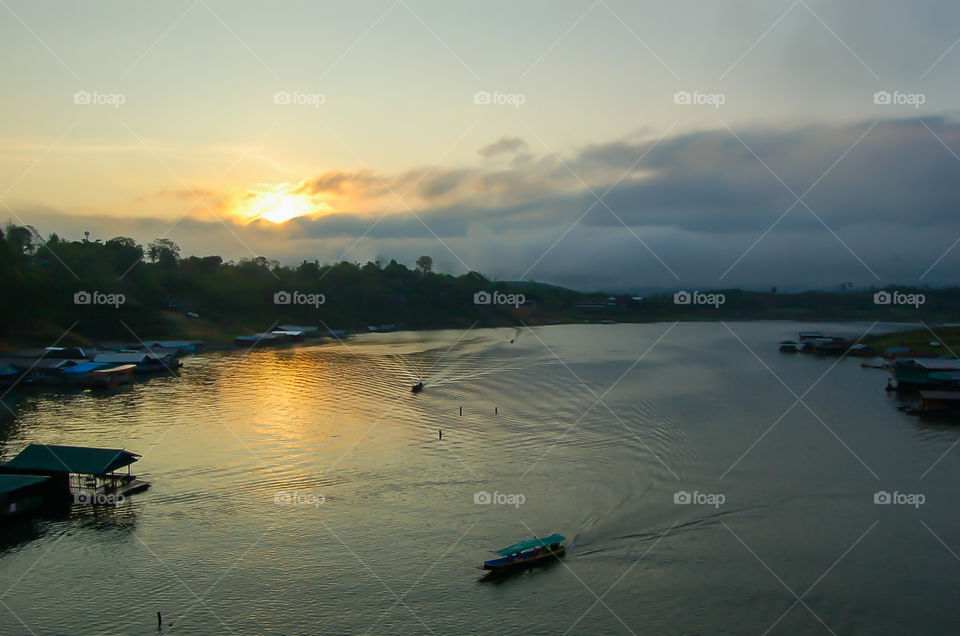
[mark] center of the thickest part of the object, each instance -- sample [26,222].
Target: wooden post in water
[159,621]
[461,411]
[496,410]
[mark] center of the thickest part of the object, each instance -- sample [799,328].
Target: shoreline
[219,340]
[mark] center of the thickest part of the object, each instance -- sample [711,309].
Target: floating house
[939,401]
[39,370]
[77,471]
[927,373]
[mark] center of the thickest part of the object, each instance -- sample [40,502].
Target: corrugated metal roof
[71,459]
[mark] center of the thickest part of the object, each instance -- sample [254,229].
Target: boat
[417,387]
[145,362]
[789,346]
[101,375]
[527,553]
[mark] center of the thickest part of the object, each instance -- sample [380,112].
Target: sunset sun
[279,207]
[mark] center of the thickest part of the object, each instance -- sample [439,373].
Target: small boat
[417,387]
[101,375]
[527,553]
[789,346]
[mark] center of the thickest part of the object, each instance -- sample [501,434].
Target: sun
[280,207]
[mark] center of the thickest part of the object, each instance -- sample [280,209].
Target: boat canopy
[530,543]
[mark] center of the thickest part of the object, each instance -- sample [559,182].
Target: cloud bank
[809,207]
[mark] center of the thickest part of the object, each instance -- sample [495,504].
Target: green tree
[163,251]
[424,264]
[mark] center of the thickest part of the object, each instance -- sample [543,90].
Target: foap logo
[498,298]
[485,498]
[696,98]
[684,498]
[296,98]
[885,498]
[96,98]
[298,298]
[296,498]
[496,98]
[898,298]
[698,298]
[98,298]
[97,499]
[896,98]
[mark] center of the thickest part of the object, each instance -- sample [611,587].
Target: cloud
[706,209]
[504,145]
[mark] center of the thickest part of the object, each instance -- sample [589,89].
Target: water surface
[305,490]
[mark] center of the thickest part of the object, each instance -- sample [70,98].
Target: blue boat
[528,553]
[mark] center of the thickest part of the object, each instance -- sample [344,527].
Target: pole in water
[159,621]
[496,410]
[461,411]
[440,432]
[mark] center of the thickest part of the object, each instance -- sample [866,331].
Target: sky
[591,144]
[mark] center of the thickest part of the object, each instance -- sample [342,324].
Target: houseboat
[912,374]
[78,473]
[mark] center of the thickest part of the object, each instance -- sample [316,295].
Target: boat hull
[505,564]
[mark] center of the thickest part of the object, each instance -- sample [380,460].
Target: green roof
[11,483]
[71,459]
[530,543]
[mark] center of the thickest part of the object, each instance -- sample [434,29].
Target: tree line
[160,288]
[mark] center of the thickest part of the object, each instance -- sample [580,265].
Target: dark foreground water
[304,491]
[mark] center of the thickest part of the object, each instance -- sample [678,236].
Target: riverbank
[931,341]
